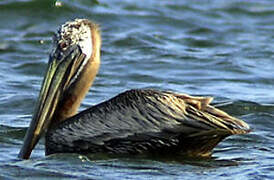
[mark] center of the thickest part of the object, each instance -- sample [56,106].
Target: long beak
[62,67]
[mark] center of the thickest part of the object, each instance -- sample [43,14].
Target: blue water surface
[215,48]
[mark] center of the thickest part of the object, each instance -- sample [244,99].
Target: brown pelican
[134,122]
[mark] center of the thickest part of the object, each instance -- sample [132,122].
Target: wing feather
[142,120]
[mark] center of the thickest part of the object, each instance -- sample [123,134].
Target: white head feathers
[75,32]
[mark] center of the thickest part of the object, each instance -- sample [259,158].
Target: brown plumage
[140,121]
[146,121]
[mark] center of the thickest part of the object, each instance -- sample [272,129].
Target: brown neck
[73,97]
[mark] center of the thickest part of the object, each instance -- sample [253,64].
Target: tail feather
[212,125]
[236,126]
[199,108]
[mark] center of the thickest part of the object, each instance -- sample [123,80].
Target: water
[219,48]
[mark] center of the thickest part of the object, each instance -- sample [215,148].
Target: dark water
[219,48]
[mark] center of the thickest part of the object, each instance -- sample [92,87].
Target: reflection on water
[217,48]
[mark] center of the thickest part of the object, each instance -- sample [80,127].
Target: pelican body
[137,121]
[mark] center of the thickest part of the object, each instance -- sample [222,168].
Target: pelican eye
[63,45]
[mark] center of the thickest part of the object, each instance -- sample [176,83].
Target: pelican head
[72,67]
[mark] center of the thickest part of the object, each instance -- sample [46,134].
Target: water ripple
[217,48]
